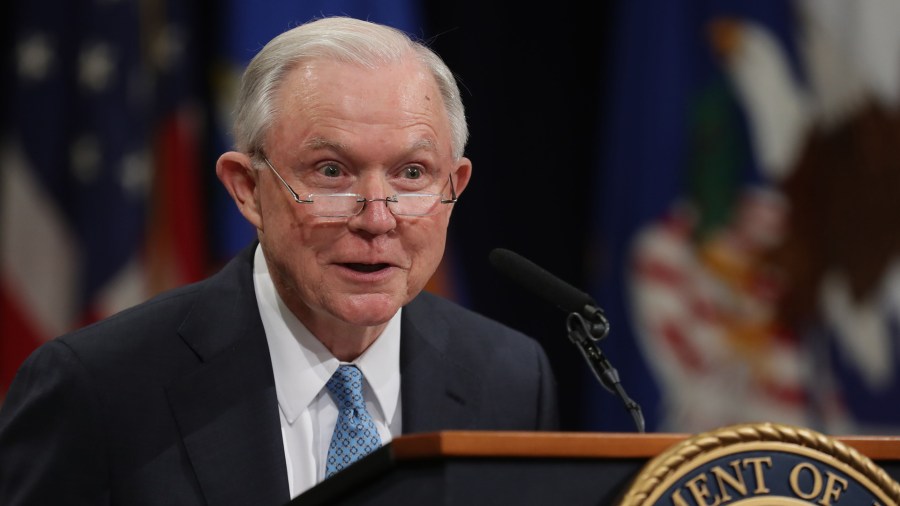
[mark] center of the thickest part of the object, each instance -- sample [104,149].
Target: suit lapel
[227,410]
[439,392]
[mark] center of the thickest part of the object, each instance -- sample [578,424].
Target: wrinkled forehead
[328,79]
[393,93]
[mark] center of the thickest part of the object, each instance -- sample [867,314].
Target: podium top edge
[608,445]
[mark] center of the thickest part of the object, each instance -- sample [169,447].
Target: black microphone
[549,287]
[586,323]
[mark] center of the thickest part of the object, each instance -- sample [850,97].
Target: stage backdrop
[724,180]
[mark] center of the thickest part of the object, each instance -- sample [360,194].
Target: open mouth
[366,267]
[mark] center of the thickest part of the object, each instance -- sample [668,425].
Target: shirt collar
[302,364]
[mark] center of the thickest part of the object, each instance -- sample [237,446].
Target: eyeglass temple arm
[285,183]
[453,198]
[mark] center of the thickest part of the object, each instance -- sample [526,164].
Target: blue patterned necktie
[355,435]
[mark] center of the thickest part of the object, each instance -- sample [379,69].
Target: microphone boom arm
[587,325]
[585,336]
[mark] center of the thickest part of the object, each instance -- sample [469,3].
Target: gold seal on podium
[761,464]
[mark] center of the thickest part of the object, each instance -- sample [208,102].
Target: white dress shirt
[302,365]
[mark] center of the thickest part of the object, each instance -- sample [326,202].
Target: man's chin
[369,310]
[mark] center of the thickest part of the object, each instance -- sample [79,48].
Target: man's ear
[236,172]
[462,175]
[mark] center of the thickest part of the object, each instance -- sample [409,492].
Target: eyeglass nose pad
[380,205]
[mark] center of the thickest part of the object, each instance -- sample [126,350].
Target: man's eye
[412,172]
[330,170]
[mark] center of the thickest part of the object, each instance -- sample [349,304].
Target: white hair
[341,39]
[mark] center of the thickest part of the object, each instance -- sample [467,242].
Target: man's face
[344,129]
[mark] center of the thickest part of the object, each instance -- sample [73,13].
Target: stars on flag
[168,47]
[97,66]
[86,159]
[35,57]
[136,174]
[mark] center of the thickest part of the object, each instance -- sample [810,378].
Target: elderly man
[315,345]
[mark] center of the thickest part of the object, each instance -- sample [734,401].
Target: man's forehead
[321,68]
[321,82]
[325,103]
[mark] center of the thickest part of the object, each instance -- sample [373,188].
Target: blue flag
[715,254]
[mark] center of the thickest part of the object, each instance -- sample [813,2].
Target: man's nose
[375,217]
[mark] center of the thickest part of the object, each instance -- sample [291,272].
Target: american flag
[100,196]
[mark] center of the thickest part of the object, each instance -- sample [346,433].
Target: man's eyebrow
[423,144]
[323,143]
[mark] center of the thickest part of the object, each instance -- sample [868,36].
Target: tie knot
[345,387]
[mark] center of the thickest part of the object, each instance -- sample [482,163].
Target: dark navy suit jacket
[173,401]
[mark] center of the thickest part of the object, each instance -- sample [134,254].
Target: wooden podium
[521,468]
